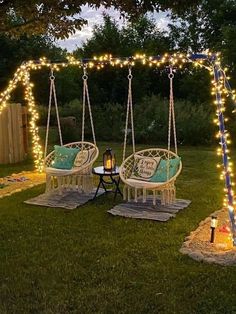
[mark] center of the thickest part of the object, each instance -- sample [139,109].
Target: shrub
[193,121]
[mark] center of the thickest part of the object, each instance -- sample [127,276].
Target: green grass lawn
[87,261]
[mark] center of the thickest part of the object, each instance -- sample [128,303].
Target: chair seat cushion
[64,157]
[140,184]
[60,172]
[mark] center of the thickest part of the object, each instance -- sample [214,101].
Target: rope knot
[130,76]
[51,76]
[85,75]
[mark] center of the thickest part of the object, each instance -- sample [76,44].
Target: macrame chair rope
[171,122]
[52,93]
[172,113]
[129,110]
[86,97]
[166,189]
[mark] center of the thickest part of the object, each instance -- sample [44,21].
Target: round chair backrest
[81,146]
[127,166]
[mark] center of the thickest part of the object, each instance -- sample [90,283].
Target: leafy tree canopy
[207,25]
[60,18]
[210,25]
[142,35]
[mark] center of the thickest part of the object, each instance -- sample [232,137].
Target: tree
[204,26]
[106,38]
[14,51]
[144,36]
[60,18]
[211,25]
[139,36]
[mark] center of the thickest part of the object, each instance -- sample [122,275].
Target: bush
[108,122]
[193,121]
[73,108]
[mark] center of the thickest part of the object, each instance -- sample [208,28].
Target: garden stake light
[213,227]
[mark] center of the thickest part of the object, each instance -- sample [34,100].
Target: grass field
[87,261]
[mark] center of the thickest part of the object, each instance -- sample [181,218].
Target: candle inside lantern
[108,164]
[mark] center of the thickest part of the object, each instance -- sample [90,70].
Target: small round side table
[108,178]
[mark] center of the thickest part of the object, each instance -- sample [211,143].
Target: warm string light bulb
[218,89]
[177,60]
[37,149]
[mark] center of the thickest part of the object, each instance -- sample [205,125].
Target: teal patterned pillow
[161,173]
[64,157]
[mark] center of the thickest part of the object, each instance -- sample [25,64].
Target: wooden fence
[13,134]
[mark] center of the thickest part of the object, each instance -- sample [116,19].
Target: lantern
[109,161]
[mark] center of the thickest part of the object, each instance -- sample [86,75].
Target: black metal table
[108,178]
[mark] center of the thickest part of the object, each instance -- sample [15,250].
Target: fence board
[13,134]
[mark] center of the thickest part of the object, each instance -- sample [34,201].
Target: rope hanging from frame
[172,123]
[129,110]
[52,94]
[86,97]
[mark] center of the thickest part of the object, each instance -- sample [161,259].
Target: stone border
[197,245]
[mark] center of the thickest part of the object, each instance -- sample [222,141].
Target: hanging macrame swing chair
[80,175]
[152,170]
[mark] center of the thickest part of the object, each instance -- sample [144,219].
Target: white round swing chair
[79,177]
[135,186]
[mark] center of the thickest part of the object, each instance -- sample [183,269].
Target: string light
[220,91]
[220,87]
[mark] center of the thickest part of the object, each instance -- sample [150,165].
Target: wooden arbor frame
[220,87]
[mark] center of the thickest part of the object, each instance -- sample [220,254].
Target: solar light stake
[213,227]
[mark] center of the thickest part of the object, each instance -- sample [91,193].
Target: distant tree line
[206,24]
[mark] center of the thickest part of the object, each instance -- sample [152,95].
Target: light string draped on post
[52,93]
[129,109]
[228,90]
[29,97]
[223,142]
[86,96]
